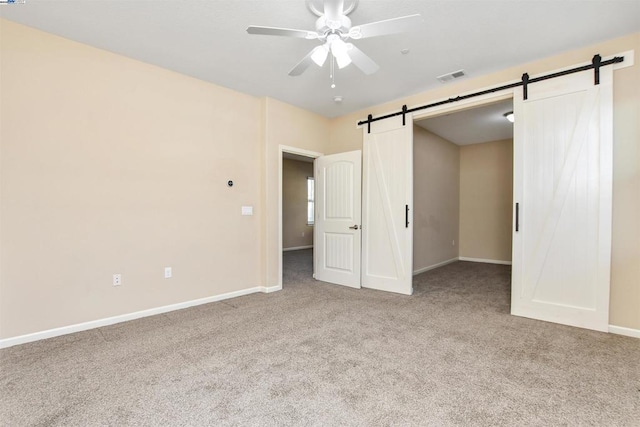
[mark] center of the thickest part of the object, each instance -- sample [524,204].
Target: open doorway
[296,214]
[298,203]
[463,187]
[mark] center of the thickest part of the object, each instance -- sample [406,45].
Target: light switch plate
[247,210]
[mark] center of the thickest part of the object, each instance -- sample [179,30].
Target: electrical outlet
[453,243]
[167,272]
[117,279]
[303,234]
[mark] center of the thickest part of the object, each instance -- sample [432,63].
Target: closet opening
[463,187]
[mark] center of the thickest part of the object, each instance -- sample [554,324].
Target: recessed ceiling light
[405,51]
[337,99]
[509,116]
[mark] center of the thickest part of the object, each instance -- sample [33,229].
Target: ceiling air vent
[450,76]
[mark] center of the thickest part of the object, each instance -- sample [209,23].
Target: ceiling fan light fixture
[339,50]
[334,29]
[343,60]
[319,55]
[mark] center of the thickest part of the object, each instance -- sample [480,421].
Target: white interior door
[338,214]
[563,186]
[387,220]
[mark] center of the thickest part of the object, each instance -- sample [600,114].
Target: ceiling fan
[334,29]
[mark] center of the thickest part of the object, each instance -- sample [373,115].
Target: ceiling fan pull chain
[333,74]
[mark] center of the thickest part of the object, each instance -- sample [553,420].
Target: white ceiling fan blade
[303,65]
[361,60]
[286,32]
[333,9]
[389,26]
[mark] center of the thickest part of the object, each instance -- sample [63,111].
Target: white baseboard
[269,289]
[50,333]
[487,261]
[431,267]
[462,258]
[297,248]
[621,330]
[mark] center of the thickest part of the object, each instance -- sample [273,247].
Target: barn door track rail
[596,63]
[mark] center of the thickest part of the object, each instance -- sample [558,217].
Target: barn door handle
[406,216]
[517,217]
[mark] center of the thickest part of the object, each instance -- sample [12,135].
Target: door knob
[354,227]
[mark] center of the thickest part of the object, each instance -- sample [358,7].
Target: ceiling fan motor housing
[324,27]
[317,6]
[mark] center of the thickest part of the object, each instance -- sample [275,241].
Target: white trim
[297,248]
[269,289]
[462,258]
[621,330]
[65,330]
[486,261]
[466,104]
[434,266]
[292,150]
[79,327]
[629,59]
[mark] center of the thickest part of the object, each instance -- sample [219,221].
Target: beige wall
[625,265]
[292,127]
[625,250]
[486,193]
[436,172]
[295,231]
[110,165]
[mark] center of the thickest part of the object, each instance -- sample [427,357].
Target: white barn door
[562,188]
[387,220]
[338,179]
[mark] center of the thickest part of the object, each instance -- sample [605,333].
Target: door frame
[629,60]
[300,152]
[466,104]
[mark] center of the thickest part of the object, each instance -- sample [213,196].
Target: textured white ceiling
[474,126]
[207,40]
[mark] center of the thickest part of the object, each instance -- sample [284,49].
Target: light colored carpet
[320,354]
